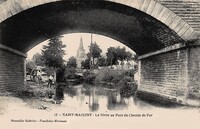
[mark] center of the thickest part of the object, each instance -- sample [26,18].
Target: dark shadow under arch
[135,29]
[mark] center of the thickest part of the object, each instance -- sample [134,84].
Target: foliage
[53,53]
[70,91]
[136,67]
[121,53]
[85,64]
[129,55]
[72,62]
[125,80]
[33,90]
[116,53]
[89,78]
[86,73]
[61,75]
[130,72]
[118,80]
[101,61]
[126,90]
[111,56]
[109,75]
[135,58]
[70,73]
[30,64]
[37,58]
[94,52]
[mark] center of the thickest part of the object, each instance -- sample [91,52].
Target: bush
[86,73]
[128,87]
[103,75]
[70,73]
[109,75]
[130,72]
[90,79]
[128,90]
[119,79]
[125,80]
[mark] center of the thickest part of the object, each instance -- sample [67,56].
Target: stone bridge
[164,33]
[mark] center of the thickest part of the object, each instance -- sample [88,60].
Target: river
[92,107]
[97,99]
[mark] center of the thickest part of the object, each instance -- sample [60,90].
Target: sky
[72,42]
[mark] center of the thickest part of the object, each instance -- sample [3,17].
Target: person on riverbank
[50,81]
[39,76]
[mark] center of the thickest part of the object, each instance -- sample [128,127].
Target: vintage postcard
[99,64]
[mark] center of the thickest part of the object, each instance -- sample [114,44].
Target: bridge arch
[154,32]
[150,7]
[143,26]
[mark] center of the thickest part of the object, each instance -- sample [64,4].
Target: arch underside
[137,30]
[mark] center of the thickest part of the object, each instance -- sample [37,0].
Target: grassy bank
[35,90]
[122,80]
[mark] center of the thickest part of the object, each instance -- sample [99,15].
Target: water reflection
[93,98]
[59,94]
[115,101]
[70,91]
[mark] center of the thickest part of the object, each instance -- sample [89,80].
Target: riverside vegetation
[121,80]
[117,80]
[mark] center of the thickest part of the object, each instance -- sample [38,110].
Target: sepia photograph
[99,64]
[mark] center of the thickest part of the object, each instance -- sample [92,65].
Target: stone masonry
[173,73]
[12,70]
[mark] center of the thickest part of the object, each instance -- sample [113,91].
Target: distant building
[81,55]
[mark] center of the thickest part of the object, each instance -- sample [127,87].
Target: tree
[52,54]
[135,58]
[101,61]
[116,53]
[72,62]
[128,55]
[37,58]
[121,54]
[111,56]
[30,65]
[85,64]
[94,52]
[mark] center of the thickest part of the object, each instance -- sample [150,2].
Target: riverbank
[81,98]
[35,90]
[37,96]
[113,79]
[13,108]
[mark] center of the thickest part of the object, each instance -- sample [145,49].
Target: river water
[100,103]
[93,99]
[82,98]
[97,99]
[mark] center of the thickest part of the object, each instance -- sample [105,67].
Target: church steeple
[81,56]
[81,44]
